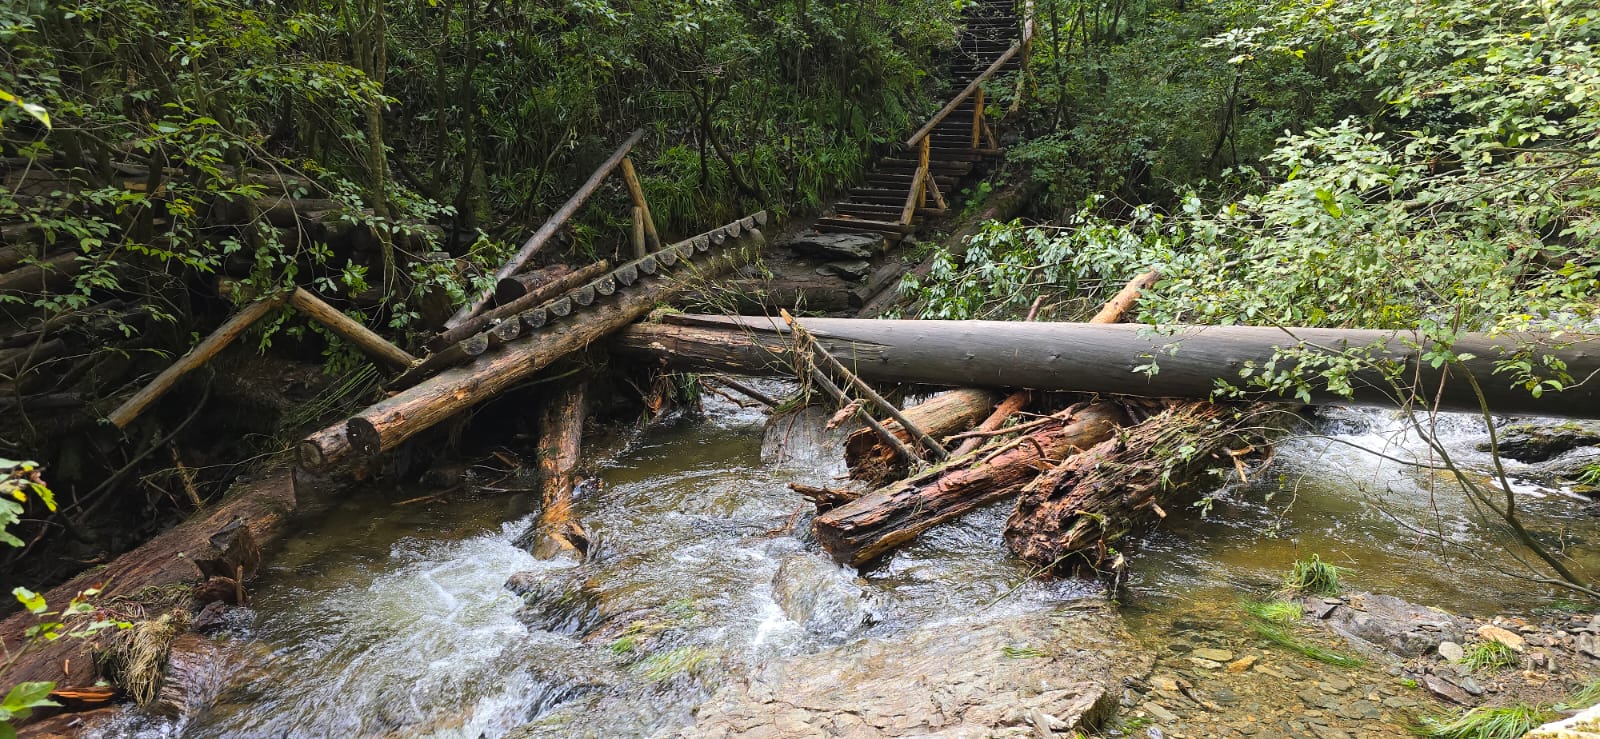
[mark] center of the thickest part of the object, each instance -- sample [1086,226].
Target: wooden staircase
[912,183]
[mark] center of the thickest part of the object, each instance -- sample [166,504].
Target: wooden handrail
[971,88]
[538,239]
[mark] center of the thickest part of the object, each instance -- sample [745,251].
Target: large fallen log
[872,525]
[870,458]
[1090,501]
[1112,358]
[385,425]
[264,505]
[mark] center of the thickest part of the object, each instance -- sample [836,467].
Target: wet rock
[1446,690]
[1158,713]
[557,603]
[1451,651]
[822,597]
[1403,628]
[837,246]
[854,270]
[1468,684]
[943,680]
[1539,442]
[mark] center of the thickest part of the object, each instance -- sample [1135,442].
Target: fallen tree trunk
[868,527]
[199,355]
[50,273]
[1092,500]
[1110,358]
[870,458]
[264,504]
[385,425]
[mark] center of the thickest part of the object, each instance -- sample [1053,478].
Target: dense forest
[1374,164]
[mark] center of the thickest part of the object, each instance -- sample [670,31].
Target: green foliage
[1313,577]
[1503,722]
[20,701]
[1489,656]
[681,660]
[1584,697]
[18,480]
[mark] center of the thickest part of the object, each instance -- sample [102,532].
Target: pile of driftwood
[1097,448]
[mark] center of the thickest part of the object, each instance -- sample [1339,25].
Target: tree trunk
[384,426]
[1111,358]
[876,523]
[1089,502]
[264,504]
[870,458]
[531,299]
[519,285]
[560,453]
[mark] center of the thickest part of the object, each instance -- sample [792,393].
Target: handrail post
[977,118]
[915,197]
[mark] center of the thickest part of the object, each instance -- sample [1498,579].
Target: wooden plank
[197,356]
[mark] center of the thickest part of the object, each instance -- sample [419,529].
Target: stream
[395,620]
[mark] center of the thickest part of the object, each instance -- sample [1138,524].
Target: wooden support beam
[349,329]
[977,118]
[549,229]
[199,355]
[652,240]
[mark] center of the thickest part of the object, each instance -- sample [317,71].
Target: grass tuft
[1313,577]
[1503,722]
[1273,621]
[1586,696]
[1281,612]
[1489,656]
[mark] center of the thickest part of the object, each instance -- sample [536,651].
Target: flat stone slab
[837,246]
[1040,674]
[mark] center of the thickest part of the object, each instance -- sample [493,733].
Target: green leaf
[30,600]
[24,697]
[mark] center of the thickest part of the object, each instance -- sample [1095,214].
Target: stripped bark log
[874,524]
[1085,357]
[1089,502]
[199,355]
[349,329]
[461,352]
[385,425]
[550,227]
[943,414]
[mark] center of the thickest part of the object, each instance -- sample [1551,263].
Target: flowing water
[392,620]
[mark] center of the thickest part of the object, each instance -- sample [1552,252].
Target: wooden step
[861,225]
